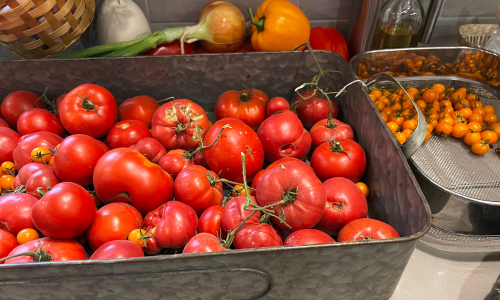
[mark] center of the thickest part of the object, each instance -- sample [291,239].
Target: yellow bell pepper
[278,25]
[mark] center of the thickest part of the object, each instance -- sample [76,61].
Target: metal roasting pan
[353,270]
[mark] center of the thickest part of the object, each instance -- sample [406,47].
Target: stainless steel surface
[433,12]
[363,31]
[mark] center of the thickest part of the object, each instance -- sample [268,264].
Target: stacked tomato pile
[80,178]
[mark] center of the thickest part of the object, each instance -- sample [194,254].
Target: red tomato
[118,249]
[366,229]
[154,217]
[287,159]
[150,148]
[256,178]
[27,170]
[76,158]
[7,243]
[194,188]
[345,159]
[58,103]
[88,109]
[308,237]
[15,212]
[277,104]
[247,105]
[124,175]
[203,243]
[113,222]
[4,123]
[322,132]
[45,139]
[211,222]
[303,194]
[59,250]
[246,48]
[234,214]
[40,179]
[18,102]
[174,127]
[314,109]
[177,226]
[173,48]
[329,39]
[151,247]
[37,119]
[225,155]
[344,203]
[8,142]
[140,108]
[283,135]
[174,162]
[126,133]
[65,212]
[256,236]
[199,159]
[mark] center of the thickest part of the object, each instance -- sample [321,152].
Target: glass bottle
[399,23]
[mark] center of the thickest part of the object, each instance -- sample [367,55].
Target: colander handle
[417,138]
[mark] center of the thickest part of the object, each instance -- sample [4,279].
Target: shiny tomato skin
[40,179]
[211,222]
[59,250]
[37,119]
[366,229]
[225,155]
[170,119]
[256,236]
[8,142]
[27,170]
[256,178]
[7,243]
[150,148]
[199,159]
[234,214]
[314,109]
[203,243]
[126,133]
[350,164]
[283,135]
[22,153]
[308,237]
[117,249]
[304,209]
[4,123]
[277,104]
[76,158]
[151,247]
[140,108]
[58,103]
[153,217]
[15,212]
[344,203]
[94,119]
[177,226]
[65,212]
[321,132]
[116,178]
[247,105]
[18,102]
[174,162]
[113,222]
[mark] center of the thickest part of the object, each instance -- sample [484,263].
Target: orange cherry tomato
[495,128]
[489,109]
[407,133]
[379,105]
[40,154]
[364,188]
[422,105]
[410,124]
[385,100]
[376,93]
[27,235]
[386,93]
[135,235]
[428,135]
[387,111]
[476,118]
[429,96]
[385,117]
[447,119]
[372,97]
[472,97]
[480,148]
[446,103]
[460,130]
[444,128]
[490,118]
[6,181]
[438,88]
[476,104]
[475,126]
[448,110]
[401,137]
[465,112]
[472,138]
[393,126]
[397,118]
[8,167]
[489,136]
[479,110]
[433,122]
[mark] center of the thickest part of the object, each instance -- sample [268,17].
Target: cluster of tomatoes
[81,178]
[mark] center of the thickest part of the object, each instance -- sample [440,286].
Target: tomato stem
[216,139]
[89,105]
[38,255]
[259,24]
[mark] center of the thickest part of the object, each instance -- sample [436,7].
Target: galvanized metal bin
[355,270]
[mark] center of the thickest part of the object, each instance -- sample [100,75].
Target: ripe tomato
[151,247]
[472,138]
[199,159]
[256,236]
[489,109]
[126,133]
[256,179]
[4,123]
[479,111]
[323,131]
[490,118]
[26,172]
[36,119]
[340,158]
[116,178]
[224,156]
[15,212]
[150,148]
[175,161]
[6,181]
[154,217]
[465,112]
[314,109]
[459,130]
[495,127]
[27,235]
[7,243]
[277,105]
[480,148]
[65,212]
[58,250]
[8,167]
[284,136]
[364,188]
[438,88]
[211,222]
[444,128]
[300,194]
[308,237]
[18,102]
[234,214]
[113,222]
[174,127]
[476,118]
[140,108]
[88,109]
[45,139]
[203,243]
[117,249]
[41,179]
[58,103]
[344,203]
[196,187]
[410,124]
[366,229]
[393,126]
[41,155]
[490,136]
[76,158]
[248,105]
[8,142]
[177,226]
[429,96]
[475,126]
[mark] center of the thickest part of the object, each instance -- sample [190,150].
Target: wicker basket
[42,28]
[476,35]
